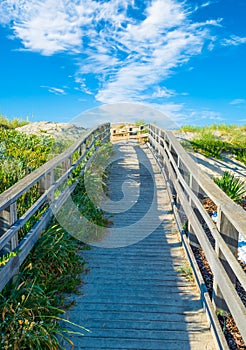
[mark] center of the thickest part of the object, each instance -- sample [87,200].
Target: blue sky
[61,58]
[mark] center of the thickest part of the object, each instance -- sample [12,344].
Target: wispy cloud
[48,26]
[54,90]
[82,86]
[238,101]
[163,92]
[130,56]
[234,40]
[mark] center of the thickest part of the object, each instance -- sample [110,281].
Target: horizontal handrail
[11,224]
[14,192]
[189,185]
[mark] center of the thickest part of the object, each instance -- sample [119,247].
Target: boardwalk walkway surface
[134,298]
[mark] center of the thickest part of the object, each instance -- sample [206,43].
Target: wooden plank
[230,257]
[47,187]
[237,216]
[208,306]
[233,301]
[139,283]
[12,267]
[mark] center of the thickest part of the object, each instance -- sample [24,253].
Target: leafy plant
[233,187]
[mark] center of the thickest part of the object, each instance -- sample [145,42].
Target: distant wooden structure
[127,131]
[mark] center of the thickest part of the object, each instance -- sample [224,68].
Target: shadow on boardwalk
[134,298]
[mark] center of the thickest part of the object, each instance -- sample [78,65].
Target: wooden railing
[188,186]
[48,178]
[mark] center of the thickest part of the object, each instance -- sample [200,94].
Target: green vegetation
[213,140]
[233,187]
[140,122]
[11,124]
[209,145]
[32,308]
[224,128]
[20,154]
[89,222]
[186,270]
[190,128]
[241,156]
[5,258]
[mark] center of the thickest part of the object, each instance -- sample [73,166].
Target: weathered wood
[13,193]
[230,236]
[8,217]
[236,213]
[231,222]
[47,185]
[67,163]
[213,229]
[46,182]
[133,292]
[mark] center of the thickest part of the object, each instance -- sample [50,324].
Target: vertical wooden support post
[83,149]
[230,236]
[197,190]
[7,218]
[46,182]
[66,164]
[192,236]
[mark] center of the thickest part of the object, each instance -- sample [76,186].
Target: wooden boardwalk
[134,298]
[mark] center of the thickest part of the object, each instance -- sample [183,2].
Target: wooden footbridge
[137,295]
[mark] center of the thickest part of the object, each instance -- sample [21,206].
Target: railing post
[46,182]
[66,164]
[230,236]
[7,218]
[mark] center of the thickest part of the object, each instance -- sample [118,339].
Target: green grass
[209,144]
[12,124]
[186,270]
[20,154]
[241,156]
[224,128]
[32,310]
[190,128]
[213,140]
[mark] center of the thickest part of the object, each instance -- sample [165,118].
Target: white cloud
[234,40]
[48,26]
[238,101]
[129,56]
[206,114]
[163,92]
[82,86]
[206,4]
[54,90]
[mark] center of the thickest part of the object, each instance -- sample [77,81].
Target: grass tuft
[232,186]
